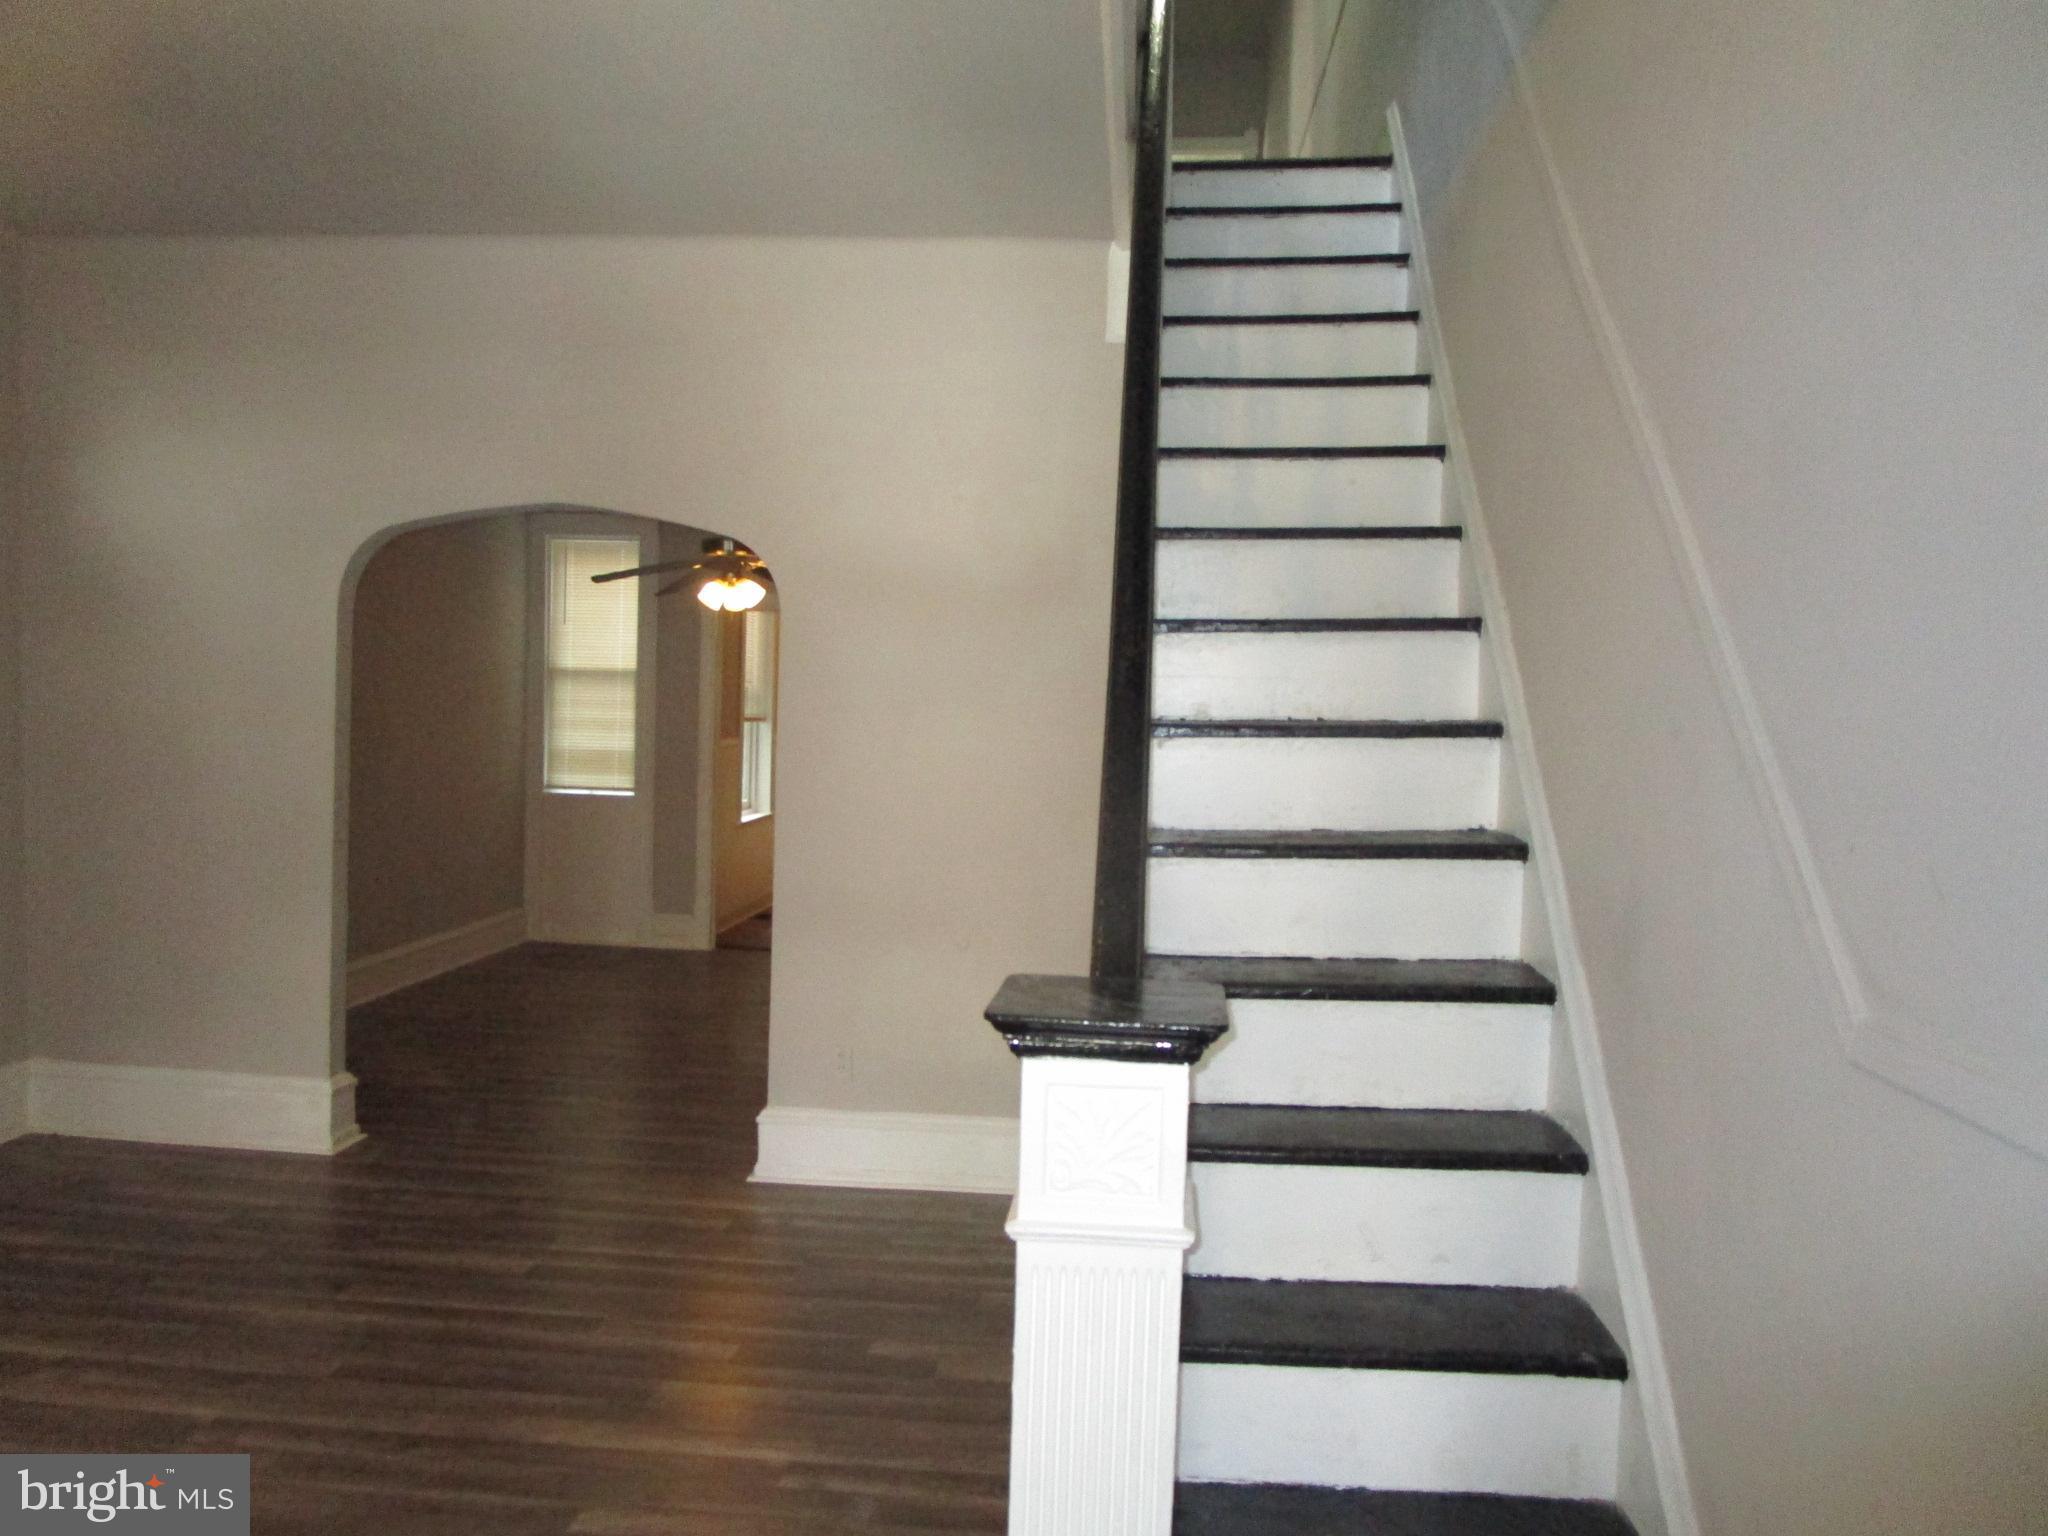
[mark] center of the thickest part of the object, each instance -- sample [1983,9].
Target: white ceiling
[599,117]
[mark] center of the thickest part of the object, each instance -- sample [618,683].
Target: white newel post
[1102,1222]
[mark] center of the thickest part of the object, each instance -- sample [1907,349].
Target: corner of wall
[14,1098]
[1654,1484]
[1119,294]
[1120,106]
[13,1005]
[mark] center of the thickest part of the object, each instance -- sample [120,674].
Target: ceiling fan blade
[647,570]
[673,586]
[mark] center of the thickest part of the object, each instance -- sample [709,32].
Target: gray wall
[637,118]
[437,788]
[838,403]
[1446,64]
[1219,65]
[678,774]
[1748,324]
[1218,95]
[13,1028]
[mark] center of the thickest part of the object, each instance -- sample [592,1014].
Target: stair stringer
[1654,1488]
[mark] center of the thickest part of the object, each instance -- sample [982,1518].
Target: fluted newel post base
[1101,1225]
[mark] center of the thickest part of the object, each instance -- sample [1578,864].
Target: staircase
[1378,1329]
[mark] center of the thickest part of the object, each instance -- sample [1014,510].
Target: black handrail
[1117,958]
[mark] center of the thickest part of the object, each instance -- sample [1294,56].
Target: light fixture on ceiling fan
[728,576]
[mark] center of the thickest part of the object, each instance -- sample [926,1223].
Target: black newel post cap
[1167,1021]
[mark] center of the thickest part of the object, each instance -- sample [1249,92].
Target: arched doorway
[530,764]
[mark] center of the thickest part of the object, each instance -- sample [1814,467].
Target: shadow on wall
[1335,67]
[523,754]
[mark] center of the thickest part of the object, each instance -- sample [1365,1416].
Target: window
[593,653]
[757,713]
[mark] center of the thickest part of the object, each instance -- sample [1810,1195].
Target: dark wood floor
[540,1298]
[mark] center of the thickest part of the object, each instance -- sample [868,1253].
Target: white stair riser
[1544,1436]
[1288,351]
[1286,234]
[1312,186]
[1354,288]
[1304,579]
[1366,784]
[1316,675]
[1381,1055]
[1301,493]
[1398,1226]
[1309,289]
[1380,416]
[1400,909]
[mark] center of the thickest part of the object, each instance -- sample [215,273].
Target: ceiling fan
[728,576]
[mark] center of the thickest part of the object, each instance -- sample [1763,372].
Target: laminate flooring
[540,1297]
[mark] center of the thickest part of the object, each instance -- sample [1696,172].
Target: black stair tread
[1317,531]
[1489,1140]
[1285,381]
[1282,163]
[1354,317]
[1388,730]
[1206,843]
[1356,451]
[1362,981]
[1494,1330]
[1279,210]
[1377,259]
[1273,1509]
[1463,624]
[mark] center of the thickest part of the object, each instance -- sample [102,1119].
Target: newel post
[1101,1224]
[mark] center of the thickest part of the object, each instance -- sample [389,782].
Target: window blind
[593,653]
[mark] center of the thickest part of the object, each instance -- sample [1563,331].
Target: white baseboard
[658,930]
[14,1088]
[240,1110]
[676,930]
[408,965]
[743,914]
[962,1154]
[1640,1335]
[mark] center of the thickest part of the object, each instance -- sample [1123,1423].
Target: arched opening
[552,795]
